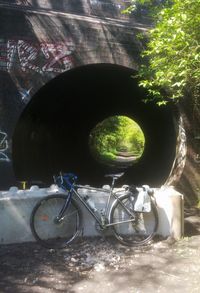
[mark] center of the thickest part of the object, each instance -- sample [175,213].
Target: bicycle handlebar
[65,180]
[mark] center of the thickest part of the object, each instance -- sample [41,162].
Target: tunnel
[53,130]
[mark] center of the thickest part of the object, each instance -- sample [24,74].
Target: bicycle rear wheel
[134,230]
[49,232]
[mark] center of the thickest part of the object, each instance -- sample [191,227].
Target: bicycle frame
[95,214]
[119,208]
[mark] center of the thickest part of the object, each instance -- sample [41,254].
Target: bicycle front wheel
[44,225]
[135,229]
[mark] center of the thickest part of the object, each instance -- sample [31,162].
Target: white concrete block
[170,205]
[16,207]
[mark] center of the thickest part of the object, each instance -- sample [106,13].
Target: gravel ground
[103,265]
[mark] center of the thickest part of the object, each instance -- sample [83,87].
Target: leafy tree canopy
[173,51]
[114,136]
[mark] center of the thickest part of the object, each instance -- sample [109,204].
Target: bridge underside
[53,131]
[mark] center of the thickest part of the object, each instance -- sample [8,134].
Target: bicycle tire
[140,230]
[46,230]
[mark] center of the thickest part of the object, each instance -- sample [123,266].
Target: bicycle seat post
[114,177]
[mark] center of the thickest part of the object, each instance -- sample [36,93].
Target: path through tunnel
[53,131]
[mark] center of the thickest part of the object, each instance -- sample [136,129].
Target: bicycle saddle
[115,176]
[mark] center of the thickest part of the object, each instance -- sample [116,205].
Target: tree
[171,66]
[116,134]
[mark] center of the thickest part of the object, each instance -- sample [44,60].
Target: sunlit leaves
[114,135]
[173,50]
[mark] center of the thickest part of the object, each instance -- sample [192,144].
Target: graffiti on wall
[3,146]
[18,2]
[23,2]
[39,57]
[23,58]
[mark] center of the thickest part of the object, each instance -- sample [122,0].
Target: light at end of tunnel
[117,141]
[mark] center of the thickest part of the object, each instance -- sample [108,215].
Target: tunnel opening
[53,130]
[117,142]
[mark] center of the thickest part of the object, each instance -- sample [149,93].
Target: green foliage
[116,134]
[173,51]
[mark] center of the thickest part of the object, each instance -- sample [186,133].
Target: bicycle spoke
[132,228]
[46,226]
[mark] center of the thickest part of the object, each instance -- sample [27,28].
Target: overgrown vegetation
[114,136]
[171,67]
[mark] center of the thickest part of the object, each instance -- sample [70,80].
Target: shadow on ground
[192,221]
[101,265]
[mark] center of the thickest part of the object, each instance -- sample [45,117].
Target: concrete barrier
[16,206]
[170,204]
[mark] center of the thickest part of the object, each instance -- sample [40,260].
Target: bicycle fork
[58,219]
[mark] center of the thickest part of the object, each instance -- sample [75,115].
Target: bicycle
[56,219]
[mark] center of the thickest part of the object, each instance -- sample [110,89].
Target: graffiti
[23,2]
[181,150]
[25,94]
[3,146]
[38,57]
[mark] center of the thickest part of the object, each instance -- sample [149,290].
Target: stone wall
[39,42]
[102,8]
[41,39]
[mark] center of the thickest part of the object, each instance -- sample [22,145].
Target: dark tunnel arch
[52,132]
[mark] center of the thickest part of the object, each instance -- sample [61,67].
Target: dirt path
[98,265]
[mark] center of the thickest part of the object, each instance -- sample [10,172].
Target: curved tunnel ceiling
[53,130]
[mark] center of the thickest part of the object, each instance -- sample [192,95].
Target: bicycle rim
[134,230]
[49,232]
